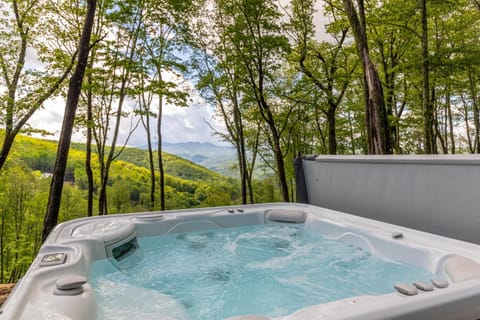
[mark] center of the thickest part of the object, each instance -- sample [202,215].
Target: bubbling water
[271,270]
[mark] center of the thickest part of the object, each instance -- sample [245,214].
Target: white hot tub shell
[56,285]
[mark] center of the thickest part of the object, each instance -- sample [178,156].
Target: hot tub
[63,282]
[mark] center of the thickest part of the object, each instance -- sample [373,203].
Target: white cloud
[50,117]
[179,124]
[183,124]
[320,21]
[190,126]
[33,61]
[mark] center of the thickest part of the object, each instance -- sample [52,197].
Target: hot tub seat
[460,268]
[285,215]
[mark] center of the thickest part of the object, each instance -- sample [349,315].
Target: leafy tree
[111,87]
[393,35]
[146,113]
[20,224]
[452,50]
[87,116]
[24,89]
[75,85]
[220,85]
[327,65]
[163,31]
[253,28]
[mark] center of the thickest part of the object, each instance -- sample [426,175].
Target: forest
[287,77]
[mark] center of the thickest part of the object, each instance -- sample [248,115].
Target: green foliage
[21,221]
[24,88]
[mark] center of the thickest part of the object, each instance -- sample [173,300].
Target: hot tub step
[406,289]
[439,283]
[424,286]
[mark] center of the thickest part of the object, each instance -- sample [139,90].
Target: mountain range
[221,159]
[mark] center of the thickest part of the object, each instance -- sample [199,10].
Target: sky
[179,124]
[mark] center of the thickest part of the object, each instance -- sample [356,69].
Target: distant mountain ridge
[217,158]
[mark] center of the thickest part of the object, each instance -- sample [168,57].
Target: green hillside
[173,165]
[187,184]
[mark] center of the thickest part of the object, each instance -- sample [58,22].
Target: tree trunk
[146,102]
[88,156]
[73,95]
[428,132]
[390,93]
[235,130]
[450,124]
[476,119]
[159,152]
[376,116]
[318,125]
[2,248]
[476,110]
[366,109]
[277,151]
[6,147]
[241,152]
[471,146]
[332,137]
[250,168]
[439,135]
[88,167]
[243,171]
[151,163]
[378,125]
[351,132]
[102,193]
